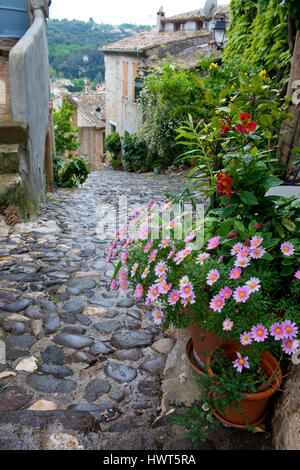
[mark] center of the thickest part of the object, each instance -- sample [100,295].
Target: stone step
[9,158]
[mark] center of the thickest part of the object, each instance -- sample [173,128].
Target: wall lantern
[219,32]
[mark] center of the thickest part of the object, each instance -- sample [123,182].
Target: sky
[121,11]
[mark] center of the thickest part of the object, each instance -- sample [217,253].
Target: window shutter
[135,74]
[125,79]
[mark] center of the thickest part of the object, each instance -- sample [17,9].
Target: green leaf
[271,181]
[225,228]
[271,243]
[288,224]
[249,199]
[239,226]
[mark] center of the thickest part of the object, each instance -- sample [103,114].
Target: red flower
[247,125]
[226,127]
[225,184]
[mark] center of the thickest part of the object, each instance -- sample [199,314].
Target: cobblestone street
[69,340]
[91,357]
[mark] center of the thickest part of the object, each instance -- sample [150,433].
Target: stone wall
[30,93]
[286,418]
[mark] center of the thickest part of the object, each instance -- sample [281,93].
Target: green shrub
[70,174]
[66,135]
[113,144]
[134,153]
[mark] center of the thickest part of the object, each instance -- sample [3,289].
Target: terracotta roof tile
[196,15]
[87,104]
[149,40]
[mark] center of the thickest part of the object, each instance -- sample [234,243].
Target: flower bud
[258,226]
[232,235]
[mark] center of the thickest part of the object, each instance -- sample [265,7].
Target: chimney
[87,86]
[160,16]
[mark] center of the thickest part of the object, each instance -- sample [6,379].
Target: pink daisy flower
[134,269]
[124,286]
[212,277]
[217,303]
[184,281]
[242,262]
[187,290]
[190,237]
[164,287]
[290,346]
[124,257]
[144,232]
[259,333]
[202,257]
[113,285]
[172,224]
[188,300]
[160,268]
[236,248]
[160,280]
[172,252]
[241,362]
[164,243]
[253,284]
[255,242]
[243,252]
[173,297]
[287,249]
[153,292]
[148,246]
[122,276]
[139,291]
[152,256]
[157,316]
[225,293]
[277,331]
[246,338]
[235,273]
[227,324]
[297,274]
[241,294]
[213,242]
[290,329]
[257,252]
[145,273]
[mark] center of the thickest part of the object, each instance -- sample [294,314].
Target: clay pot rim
[268,358]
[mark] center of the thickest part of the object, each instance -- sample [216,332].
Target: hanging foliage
[258,34]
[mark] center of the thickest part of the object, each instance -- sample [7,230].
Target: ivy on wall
[258,34]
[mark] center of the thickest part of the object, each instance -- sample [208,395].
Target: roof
[87,104]
[196,15]
[145,41]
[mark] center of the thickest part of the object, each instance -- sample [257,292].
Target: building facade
[188,33]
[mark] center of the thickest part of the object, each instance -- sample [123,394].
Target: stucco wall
[92,146]
[30,92]
[119,110]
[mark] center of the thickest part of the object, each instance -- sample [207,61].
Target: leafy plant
[70,174]
[113,144]
[66,135]
[134,153]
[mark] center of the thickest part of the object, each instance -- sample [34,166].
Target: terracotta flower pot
[253,405]
[204,343]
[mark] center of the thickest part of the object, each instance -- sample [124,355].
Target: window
[125,79]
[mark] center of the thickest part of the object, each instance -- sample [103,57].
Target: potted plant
[224,287]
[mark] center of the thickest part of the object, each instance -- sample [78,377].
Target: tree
[290,130]
[66,138]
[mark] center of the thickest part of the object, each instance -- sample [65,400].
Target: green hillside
[69,41]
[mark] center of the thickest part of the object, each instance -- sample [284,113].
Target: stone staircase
[13,156]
